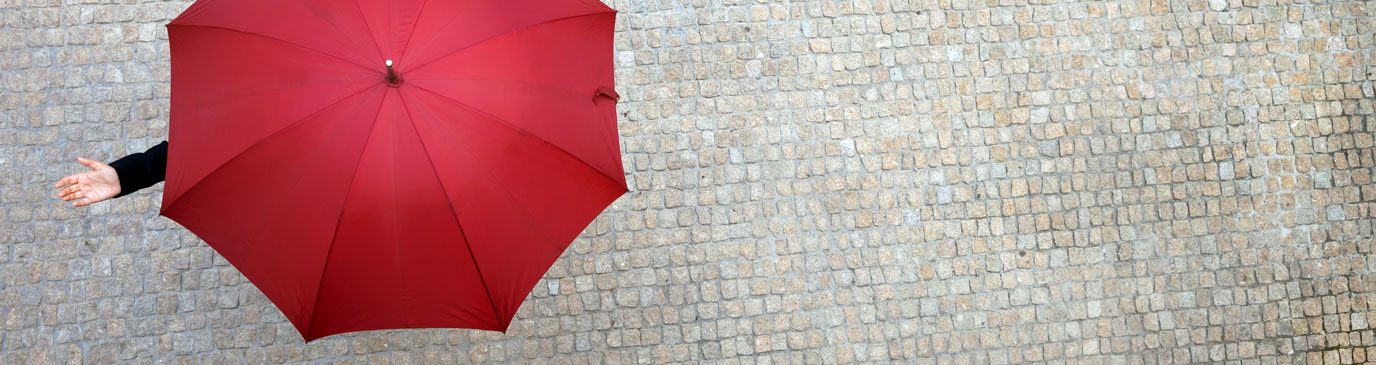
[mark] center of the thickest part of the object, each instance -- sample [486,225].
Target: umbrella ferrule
[393,77]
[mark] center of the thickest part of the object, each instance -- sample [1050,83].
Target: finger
[82,197]
[89,197]
[93,164]
[72,192]
[69,191]
[70,179]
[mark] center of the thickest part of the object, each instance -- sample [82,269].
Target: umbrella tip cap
[393,77]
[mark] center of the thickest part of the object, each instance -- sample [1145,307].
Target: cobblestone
[953,181]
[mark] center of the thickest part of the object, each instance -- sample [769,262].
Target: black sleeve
[141,170]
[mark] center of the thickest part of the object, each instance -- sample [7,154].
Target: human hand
[90,187]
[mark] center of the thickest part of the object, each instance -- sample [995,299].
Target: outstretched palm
[89,187]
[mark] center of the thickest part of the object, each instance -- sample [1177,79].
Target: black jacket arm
[141,170]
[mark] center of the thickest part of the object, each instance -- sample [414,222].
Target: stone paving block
[819,182]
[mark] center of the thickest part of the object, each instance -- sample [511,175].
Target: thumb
[93,164]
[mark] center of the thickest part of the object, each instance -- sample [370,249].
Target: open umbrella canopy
[378,164]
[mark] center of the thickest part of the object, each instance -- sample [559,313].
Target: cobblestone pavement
[925,181]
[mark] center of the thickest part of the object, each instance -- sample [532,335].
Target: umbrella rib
[376,46]
[528,83]
[228,99]
[467,244]
[419,12]
[574,93]
[275,39]
[195,8]
[334,236]
[260,141]
[499,35]
[519,130]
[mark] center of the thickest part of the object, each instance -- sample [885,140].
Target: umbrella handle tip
[393,77]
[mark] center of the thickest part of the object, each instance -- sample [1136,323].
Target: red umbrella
[379,164]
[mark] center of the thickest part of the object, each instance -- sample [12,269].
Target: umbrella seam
[607,144]
[260,141]
[548,86]
[190,11]
[275,39]
[219,102]
[416,24]
[503,34]
[522,130]
[479,162]
[310,322]
[467,244]
[376,46]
